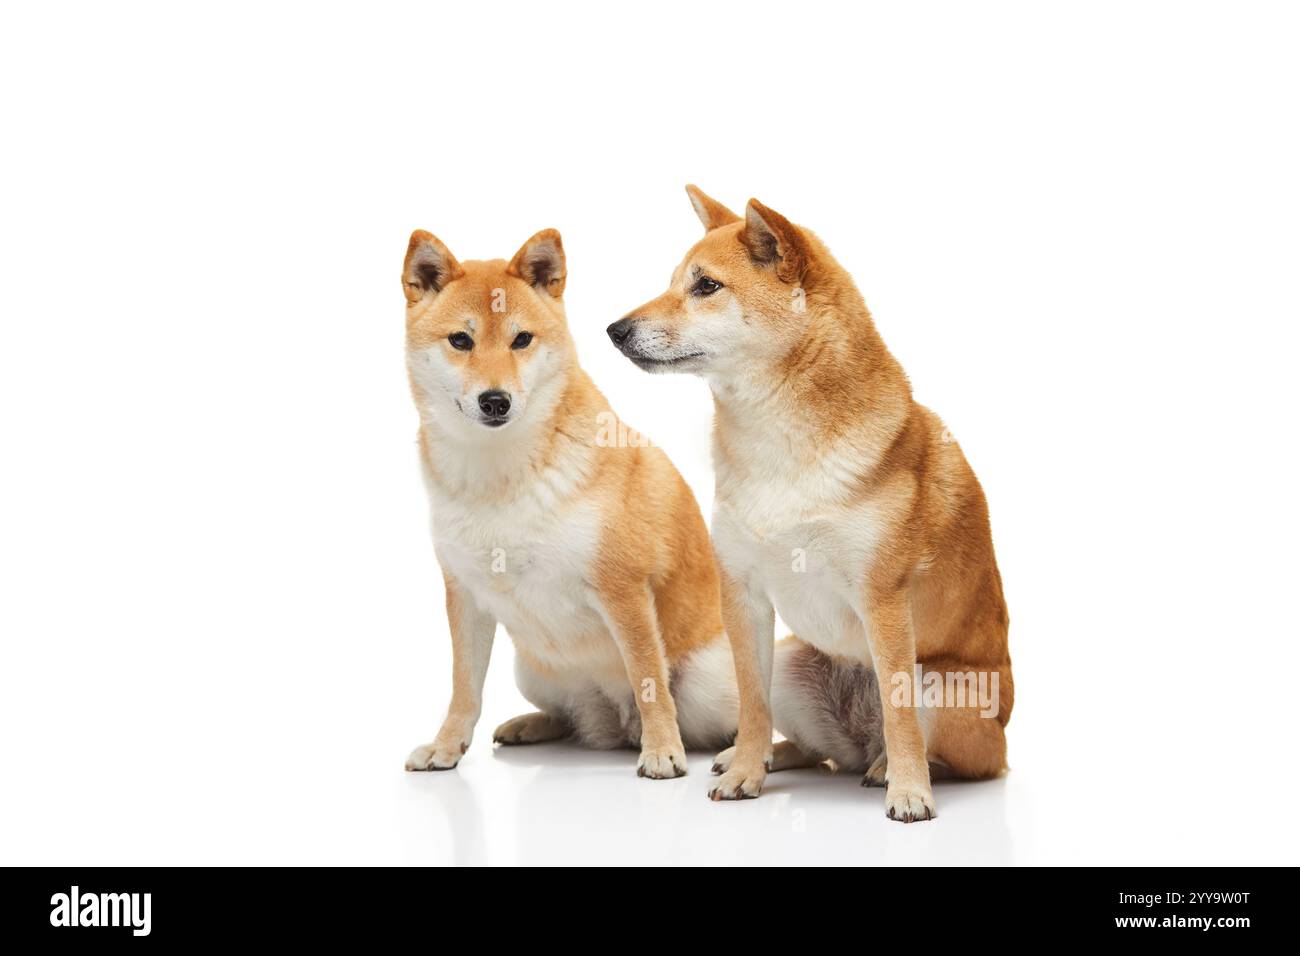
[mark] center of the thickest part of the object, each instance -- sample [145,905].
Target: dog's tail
[828,707]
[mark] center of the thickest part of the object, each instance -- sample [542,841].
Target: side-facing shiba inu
[841,503]
[592,553]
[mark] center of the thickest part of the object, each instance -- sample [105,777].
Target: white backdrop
[1076,226]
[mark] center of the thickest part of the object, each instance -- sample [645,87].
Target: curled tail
[828,707]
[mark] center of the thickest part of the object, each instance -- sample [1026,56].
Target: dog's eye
[705,286]
[459,340]
[521,340]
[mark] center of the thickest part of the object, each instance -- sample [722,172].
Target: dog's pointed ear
[711,212]
[540,263]
[429,266]
[771,239]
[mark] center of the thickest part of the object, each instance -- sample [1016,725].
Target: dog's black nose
[620,330]
[494,404]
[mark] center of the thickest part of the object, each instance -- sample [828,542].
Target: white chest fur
[525,559]
[806,551]
[791,521]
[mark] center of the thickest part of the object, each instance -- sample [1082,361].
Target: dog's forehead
[490,296]
[719,249]
[483,281]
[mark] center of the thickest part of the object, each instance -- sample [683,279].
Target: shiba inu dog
[592,553]
[842,504]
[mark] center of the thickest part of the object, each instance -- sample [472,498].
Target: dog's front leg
[893,653]
[750,621]
[472,632]
[629,613]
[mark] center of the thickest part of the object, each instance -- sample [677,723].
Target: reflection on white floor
[558,803]
[310,773]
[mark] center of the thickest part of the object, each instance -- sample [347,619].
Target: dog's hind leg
[966,736]
[974,749]
[540,688]
[532,729]
[785,756]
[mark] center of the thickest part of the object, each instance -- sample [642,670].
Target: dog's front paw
[909,804]
[739,782]
[435,756]
[662,763]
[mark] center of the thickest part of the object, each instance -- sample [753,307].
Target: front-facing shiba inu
[591,553]
[842,504]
